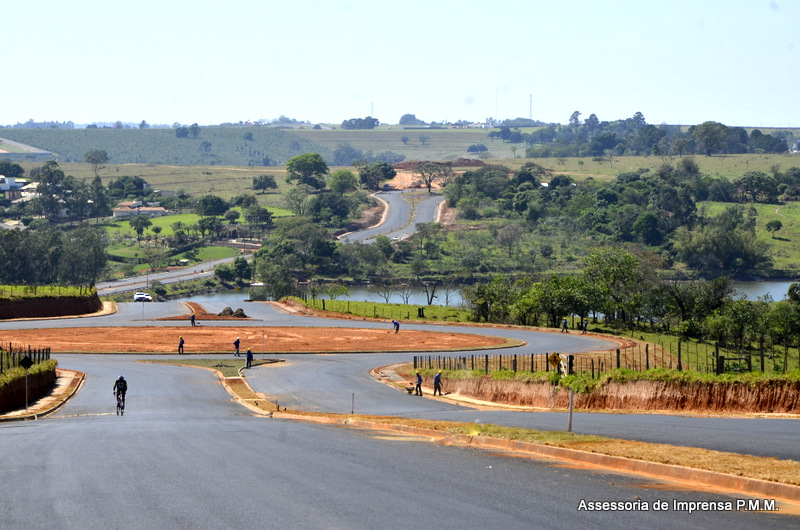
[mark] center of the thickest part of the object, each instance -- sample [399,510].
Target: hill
[230,146]
[265,146]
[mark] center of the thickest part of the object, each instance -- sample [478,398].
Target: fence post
[486,364]
[647,356]
[680,363]
[514,362]
[618,357]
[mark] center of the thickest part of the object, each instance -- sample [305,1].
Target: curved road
[186,456]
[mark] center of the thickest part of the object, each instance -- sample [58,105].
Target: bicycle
[120,403]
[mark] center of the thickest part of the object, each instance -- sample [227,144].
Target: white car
[142,297]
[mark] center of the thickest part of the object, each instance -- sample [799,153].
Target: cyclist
[120,387]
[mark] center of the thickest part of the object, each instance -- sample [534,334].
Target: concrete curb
[53,402]
[719,481]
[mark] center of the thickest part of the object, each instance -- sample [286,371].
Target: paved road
[185,456]
[339,383]
[399,223]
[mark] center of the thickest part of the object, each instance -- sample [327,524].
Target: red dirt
[202,339]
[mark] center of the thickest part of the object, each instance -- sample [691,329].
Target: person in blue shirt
[396,325]
[418,388]
[437,383]
[236,344]
[249,357]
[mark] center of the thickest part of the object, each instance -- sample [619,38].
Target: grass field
[785,243]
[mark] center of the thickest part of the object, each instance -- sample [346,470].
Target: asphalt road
[185,456]
[399,222]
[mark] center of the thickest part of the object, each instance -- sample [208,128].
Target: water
[776,289]
[356,293]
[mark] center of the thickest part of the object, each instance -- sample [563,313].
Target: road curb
[719,481]
[53,402]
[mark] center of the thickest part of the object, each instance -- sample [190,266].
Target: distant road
[397,224]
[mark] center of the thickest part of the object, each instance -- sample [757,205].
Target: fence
[11,357]
[638,357]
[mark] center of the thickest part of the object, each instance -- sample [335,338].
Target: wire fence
[12,356]
[638,357]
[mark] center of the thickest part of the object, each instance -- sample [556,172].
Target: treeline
[626,290]
[656,208]
[51,256]
[634,136]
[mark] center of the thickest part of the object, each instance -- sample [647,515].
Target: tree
[773,226]
[296,199]
[100,206]
[194,130]
[342,181]
[211,225]
[309,169]
[139,224]
[710,136]
[431,172]
[361,123]
[10,169]
[410,119]
[258,217]
[372,175]
[51,190]
[209,205]
[264,182]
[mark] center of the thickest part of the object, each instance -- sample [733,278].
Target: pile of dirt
[459,162]
[228,312]
[200,313]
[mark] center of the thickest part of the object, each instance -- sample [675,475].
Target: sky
[210,62]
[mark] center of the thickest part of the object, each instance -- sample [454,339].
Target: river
[752,290]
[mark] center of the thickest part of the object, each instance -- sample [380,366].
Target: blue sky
[166,61]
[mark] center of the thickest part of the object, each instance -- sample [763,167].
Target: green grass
[19,292]
[228,367]
[390,311]
[785,245]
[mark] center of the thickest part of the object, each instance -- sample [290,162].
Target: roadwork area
[200,339]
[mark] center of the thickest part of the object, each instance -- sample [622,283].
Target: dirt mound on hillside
[459,162]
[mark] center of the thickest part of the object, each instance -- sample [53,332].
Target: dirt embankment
[780,397]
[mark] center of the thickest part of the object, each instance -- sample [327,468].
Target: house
[128,209]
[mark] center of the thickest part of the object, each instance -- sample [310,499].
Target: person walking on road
[564,326]
[249,358]
[396,325]
[585,324]
[180,345]
[236,345]
[437,383]
[418,387]
[192,318]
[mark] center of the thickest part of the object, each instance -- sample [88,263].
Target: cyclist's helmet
[121,377]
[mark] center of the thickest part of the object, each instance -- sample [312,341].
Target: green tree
[774,226]
[308,169]
[210,205]
[297,198]
[264,182]
[96,158]
[430,172]
[139,224]
[375,173]
[342,181]
[710,136]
